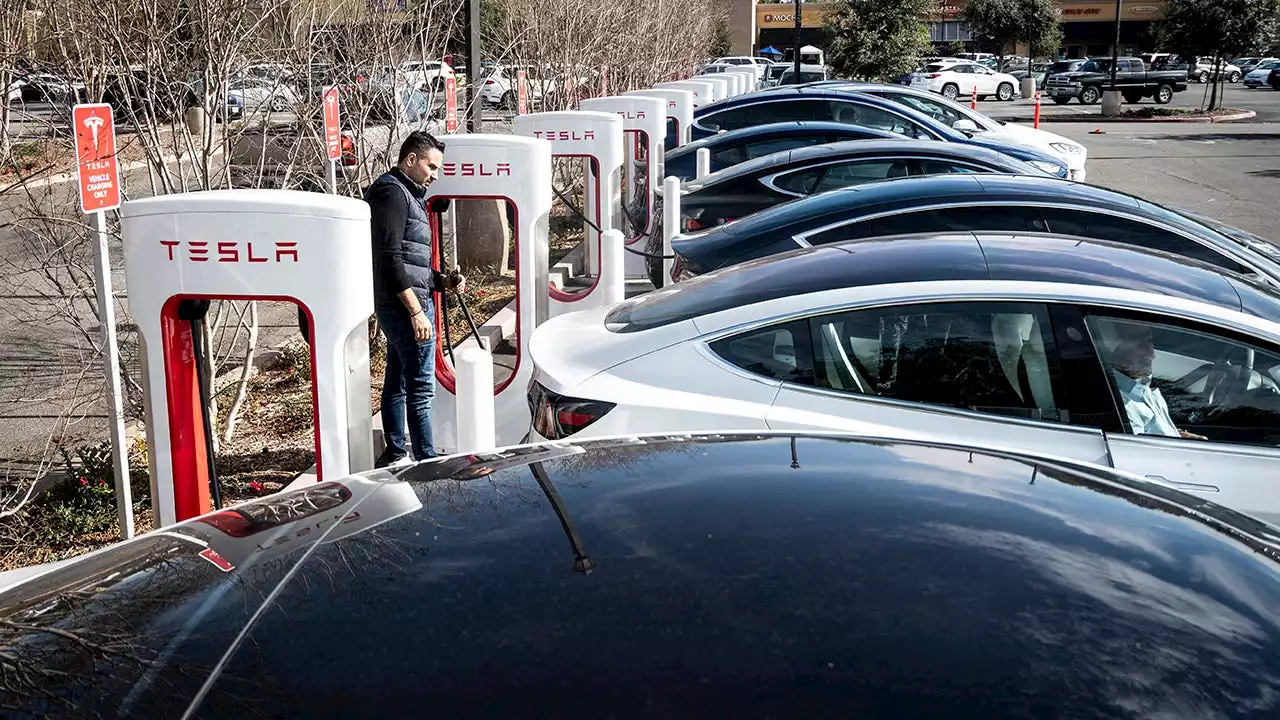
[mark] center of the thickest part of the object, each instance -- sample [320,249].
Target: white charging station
[704,93]
[725,87]
[679,112]
[644,121]
[750,81]
[307,248]
[518,170]
[596,139]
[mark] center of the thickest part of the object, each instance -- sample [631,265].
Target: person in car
[1131,363]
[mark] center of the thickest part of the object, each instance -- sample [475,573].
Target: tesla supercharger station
[749,78]
[644,122]
[704,92]
[724,86]
[596,139]
[307,248]
[679,112]
[518,170]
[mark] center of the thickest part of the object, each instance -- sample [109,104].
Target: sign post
[522,92]
[450,105]
[332,135]
[99,192]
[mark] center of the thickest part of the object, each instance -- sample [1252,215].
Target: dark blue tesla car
[730,148]
[1022,204]
[853,108]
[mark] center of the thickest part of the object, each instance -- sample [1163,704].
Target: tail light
[682,268]
[490,82]
[230,523]
[931,76]
[349,156]
[558,416]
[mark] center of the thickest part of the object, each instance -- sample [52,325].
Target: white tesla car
[1077,348]
[955,78]
[974,123]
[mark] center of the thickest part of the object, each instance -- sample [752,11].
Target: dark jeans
[409,383]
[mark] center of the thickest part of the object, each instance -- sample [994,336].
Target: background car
[808,73]
[1249,64]
[756,574]
[979,203]
[1205,70]
[1011,338]
[827,103]
[953,79]
[258,94]
[969,121]
[1259,75]
[730,148]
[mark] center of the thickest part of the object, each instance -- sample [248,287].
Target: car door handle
[1194,487]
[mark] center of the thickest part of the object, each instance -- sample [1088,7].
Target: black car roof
[854,148]
[939,257]
[941,189]
[780,129]
[722,576]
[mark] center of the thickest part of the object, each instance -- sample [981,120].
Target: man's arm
[390,212]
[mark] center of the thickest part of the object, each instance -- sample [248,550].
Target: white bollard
[613,269]
[670,222]
[474,393]
[703,157]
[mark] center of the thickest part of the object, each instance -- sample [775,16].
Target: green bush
[85,502]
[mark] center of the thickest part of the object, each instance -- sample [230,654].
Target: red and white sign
[450,105]
[96,157]
[522,92]
[604,80]
[332,128]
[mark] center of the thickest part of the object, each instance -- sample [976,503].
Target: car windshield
[1266,248]
[936,67]
[1060,67]
[1269,66]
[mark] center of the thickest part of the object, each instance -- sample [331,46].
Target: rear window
[933,68]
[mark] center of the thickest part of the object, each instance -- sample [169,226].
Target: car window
[1109,227]
[762,113]
[936,67]
[950,219]
[947,167]
[760,148]
[876,119]
[962,69]
[728,155]
[838,175]
[779,352]
[989,357]
[1169,380]
[943,114]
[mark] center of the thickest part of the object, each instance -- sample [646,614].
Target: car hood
[1073,74]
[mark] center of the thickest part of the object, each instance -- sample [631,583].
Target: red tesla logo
[565,134]
[231,251]
[476,170]
[637,115]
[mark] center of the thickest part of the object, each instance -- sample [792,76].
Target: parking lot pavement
[1263,101]
[1230,171]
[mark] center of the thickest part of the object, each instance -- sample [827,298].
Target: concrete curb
[1091,118]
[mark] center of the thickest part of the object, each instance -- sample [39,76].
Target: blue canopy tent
[771,50]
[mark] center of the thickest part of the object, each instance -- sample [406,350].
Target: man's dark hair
[419,142]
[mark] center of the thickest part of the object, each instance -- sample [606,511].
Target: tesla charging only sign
[332,129]
[96,156]
[522,92]
[450,105]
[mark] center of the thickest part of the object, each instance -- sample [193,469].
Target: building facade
[1088,26]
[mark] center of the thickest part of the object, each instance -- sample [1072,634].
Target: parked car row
[889,277]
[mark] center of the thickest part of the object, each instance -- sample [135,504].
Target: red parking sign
[96,156]
[450,105]
[332,129]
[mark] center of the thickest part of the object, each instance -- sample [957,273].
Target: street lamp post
[1115,49]
[473,65]
[795,44]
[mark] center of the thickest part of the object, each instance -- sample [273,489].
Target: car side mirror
[966,126]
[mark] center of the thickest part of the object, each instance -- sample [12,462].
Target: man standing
[403,281]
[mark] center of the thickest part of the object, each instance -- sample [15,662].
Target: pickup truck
[289,153]
[1133,79]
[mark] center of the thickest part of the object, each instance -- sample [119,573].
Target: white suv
[428,75]
[758,64]
[954,78]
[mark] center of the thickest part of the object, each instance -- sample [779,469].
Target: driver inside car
[1131,362]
